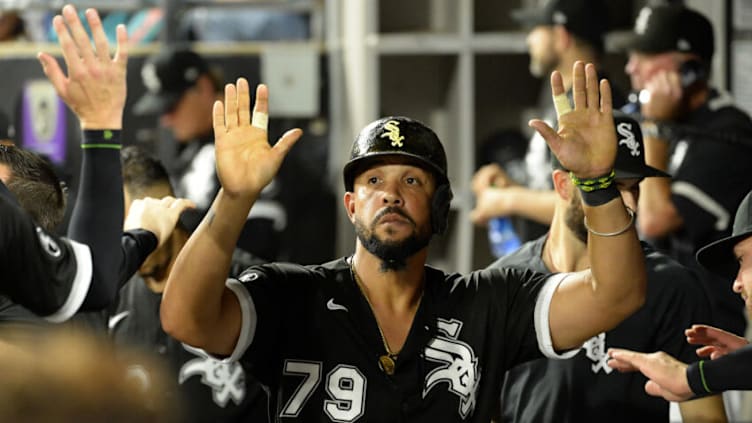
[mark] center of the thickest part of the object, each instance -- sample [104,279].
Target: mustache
[395,210]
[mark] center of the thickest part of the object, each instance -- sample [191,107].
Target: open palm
[585,142]
[246,162]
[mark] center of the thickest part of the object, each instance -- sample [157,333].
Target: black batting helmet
[402,136]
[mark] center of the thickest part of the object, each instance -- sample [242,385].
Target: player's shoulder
[665,273]
[284,271]
[526,257]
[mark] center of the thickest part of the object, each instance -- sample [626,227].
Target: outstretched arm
[594,301]
[95,91]
[196,307]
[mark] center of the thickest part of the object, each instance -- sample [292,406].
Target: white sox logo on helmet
[459,365]
[625,130]
[393,132]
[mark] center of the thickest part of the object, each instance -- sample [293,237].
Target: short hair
[142,171]
[35,185]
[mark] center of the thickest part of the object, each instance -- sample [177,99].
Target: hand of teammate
[490,203]
[95,86]
[667,375]
[661,98]
[490,175]
[159,216]
[586,141]
[246,162]
[717,342]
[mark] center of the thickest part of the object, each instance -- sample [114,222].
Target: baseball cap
[630,152]
[587,19]
[672,27]
[167,75]
[718,256]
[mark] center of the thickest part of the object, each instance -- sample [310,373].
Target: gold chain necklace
[386,361]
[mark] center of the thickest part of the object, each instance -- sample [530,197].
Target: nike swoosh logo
[334,307]
[114,320]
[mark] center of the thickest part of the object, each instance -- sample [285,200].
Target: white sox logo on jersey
[595,350]
[460,365]
[625,130]
[227,380]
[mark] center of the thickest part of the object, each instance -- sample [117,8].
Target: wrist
[101,138]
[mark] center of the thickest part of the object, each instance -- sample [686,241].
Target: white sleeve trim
[79,287]
[248,319]
[541,317]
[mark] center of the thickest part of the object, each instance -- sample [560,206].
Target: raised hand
[246,162]
[159,216]
[95,87]
[662,97]
[668,376]
[716,342]
[586,141]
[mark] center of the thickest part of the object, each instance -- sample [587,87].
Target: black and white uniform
[585,388]
[56,277]
[310,336]
[209,389]
[709,162]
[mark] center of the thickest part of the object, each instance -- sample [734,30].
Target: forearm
[136,245]
[658,215]
[730,372]
[617,262]
[97,217]
[194,300]
[703,410]
[536,205]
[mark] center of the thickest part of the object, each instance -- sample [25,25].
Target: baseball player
[585,388]
[730,367]
[379,335]
[52,276]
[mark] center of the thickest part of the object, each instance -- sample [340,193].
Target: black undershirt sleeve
[97,217]
[732,372]
[136,245]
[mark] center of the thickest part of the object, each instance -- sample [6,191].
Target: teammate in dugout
[56,277]
[379,335]
[730,364]
[585,388]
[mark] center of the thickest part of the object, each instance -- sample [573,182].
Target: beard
[574,218]
[393,254]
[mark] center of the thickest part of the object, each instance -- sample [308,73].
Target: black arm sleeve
[97,217]
[136,244]
[730,372]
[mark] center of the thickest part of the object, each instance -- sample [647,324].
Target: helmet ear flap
[440,208]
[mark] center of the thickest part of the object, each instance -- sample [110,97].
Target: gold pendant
[387,364]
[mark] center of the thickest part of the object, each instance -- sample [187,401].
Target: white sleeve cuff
[80,285]
[248,319]
[541,317]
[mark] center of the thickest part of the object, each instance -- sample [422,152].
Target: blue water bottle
[502,236]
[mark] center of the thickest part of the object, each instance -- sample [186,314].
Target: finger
[121,54]
[244,102]
[97,33]
[51,68]
[606,97]
[548,134]
[78,32]
[561,102]
[591,86]
[285,143]
[231,107]
[261,107]
[70,52]
[182,204]
[705,351]
[621,366]
[218,119]
[579,83]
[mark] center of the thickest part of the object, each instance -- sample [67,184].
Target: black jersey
[310,336]
[49,274]
[585,388]
[710,155]
[209,389]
